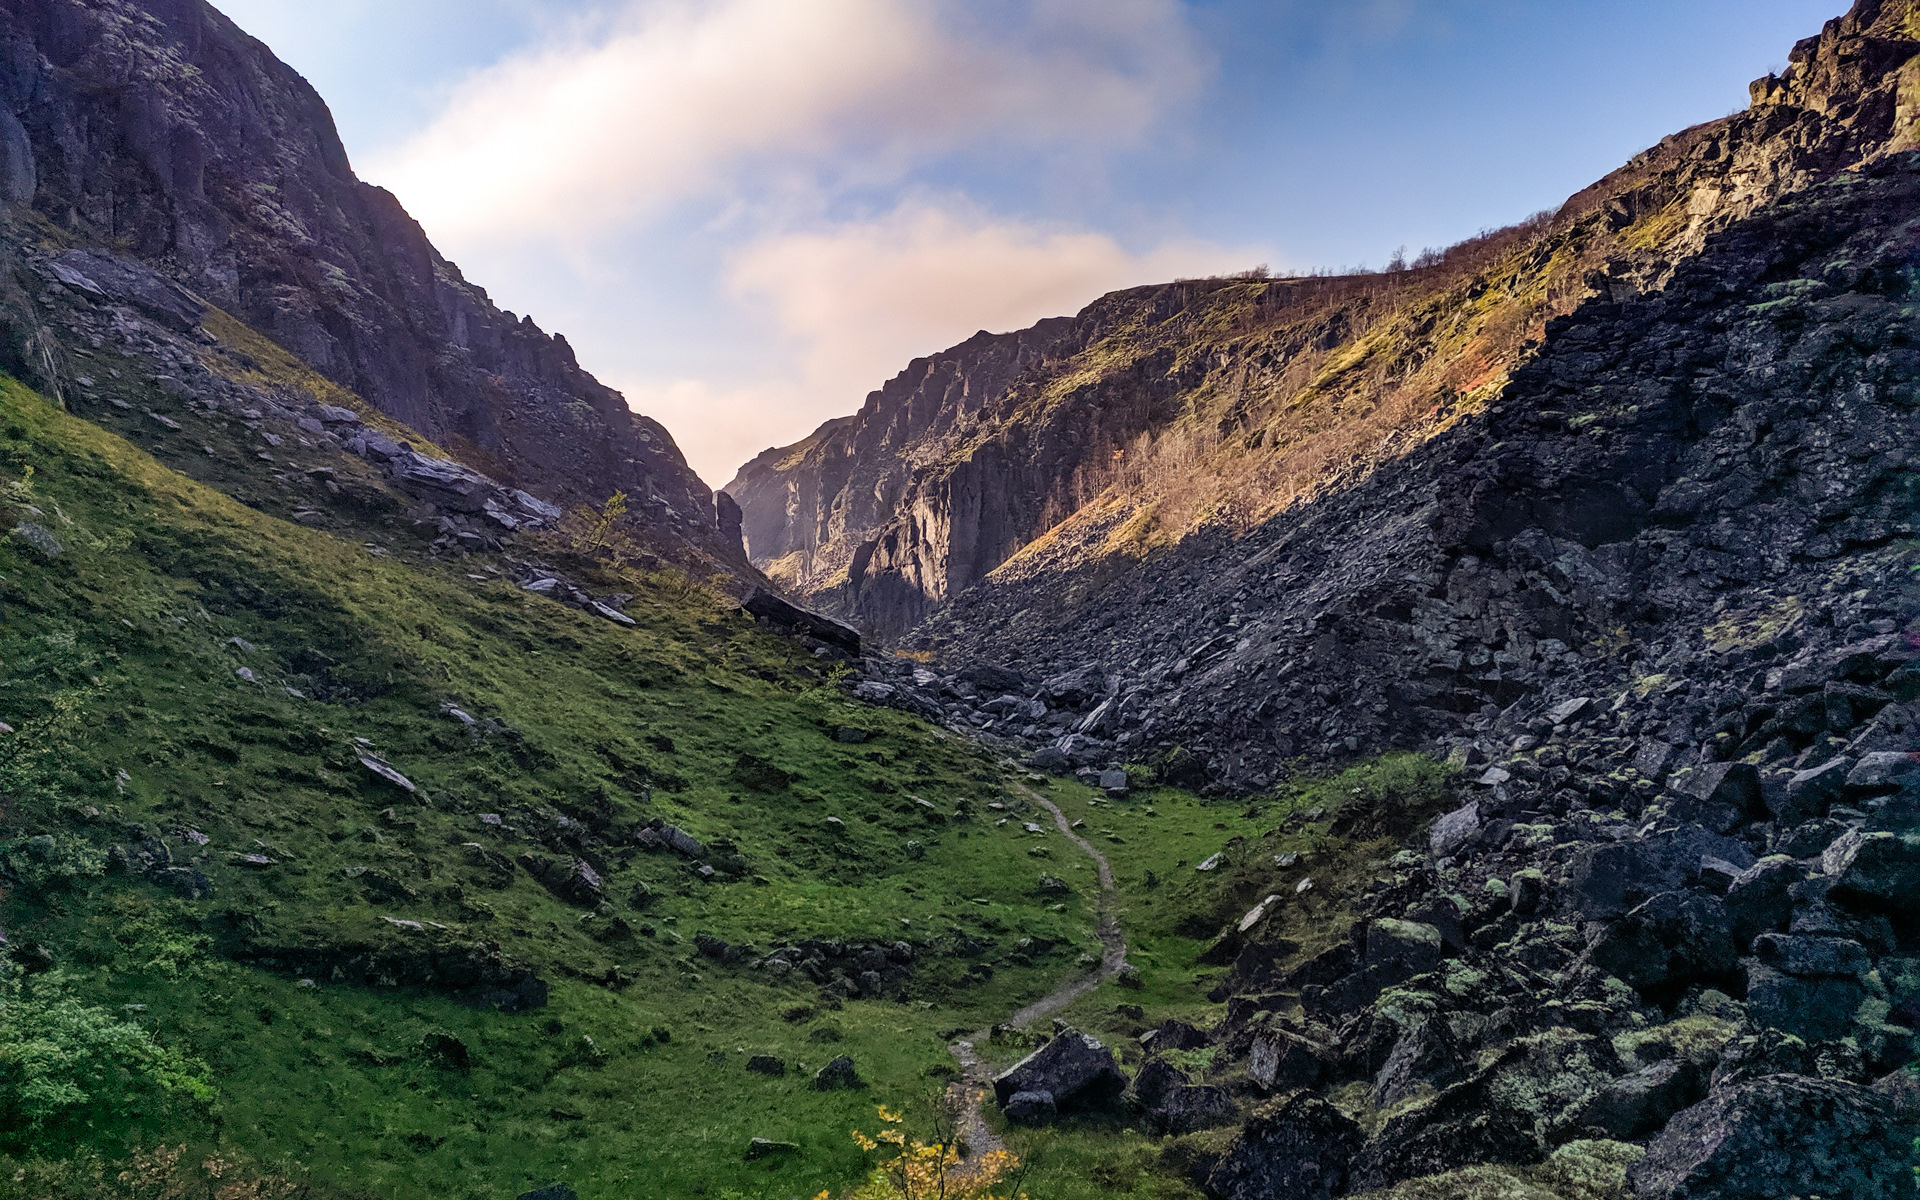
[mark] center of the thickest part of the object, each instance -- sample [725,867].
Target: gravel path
[969,1093]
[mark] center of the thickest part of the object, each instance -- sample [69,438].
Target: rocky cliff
[159,132]
[1203,409]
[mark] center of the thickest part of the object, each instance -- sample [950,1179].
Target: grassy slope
[115,657]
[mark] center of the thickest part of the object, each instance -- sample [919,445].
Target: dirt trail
[975,1084]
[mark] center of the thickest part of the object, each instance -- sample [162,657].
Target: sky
[748,214]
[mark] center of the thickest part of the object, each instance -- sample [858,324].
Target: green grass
[117,671]
[1171,913]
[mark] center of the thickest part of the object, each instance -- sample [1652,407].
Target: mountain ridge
[1317,393]
[164,133]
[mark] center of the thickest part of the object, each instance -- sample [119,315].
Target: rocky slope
[160,135]
[1202,409]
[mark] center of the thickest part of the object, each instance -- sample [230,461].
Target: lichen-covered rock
[1776,1136]
[1673,940]
[1299,1147]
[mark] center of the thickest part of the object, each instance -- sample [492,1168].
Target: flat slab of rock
[388,773]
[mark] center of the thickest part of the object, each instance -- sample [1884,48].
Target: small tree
[935,1168]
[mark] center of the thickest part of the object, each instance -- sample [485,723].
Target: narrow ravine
[968,1094]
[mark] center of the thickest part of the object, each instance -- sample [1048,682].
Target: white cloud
[858,301]
[864,298]
[670,99]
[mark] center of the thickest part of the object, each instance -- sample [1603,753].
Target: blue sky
[746,214]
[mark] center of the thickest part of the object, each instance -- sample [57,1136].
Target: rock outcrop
[159,129]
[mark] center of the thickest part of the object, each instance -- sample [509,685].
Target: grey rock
[759,1148]
[1402,949]
[1114,780]
[1884,771]
[1653,759]
[1280,1060]
[1076,1069]
[1191,1108]
[1878,869]
[1810,793]
[1718,796]
[1670,941]
[37,539]
[1777,1136]
[1760,898]
[1638,1104]
[766,1064]
[785,615]
[1812,956]
[1176,1035]
[383,771]
[1299,1147]
[837,1075]
[1814,1009]
[1031,1108]
[1156,1079]
[1451,833]
[1568,711]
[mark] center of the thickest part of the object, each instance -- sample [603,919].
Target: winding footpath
[968,1093]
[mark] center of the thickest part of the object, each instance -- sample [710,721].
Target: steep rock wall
[160,129]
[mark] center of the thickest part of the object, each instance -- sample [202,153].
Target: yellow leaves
[928,1170]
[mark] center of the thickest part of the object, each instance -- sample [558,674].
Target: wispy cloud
[865,297]
[858,301]
[665,100]
[752,127]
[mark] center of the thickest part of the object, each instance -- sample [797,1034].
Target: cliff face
[1202,410]
[162,132]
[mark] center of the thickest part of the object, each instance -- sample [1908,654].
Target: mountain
[1524,806]
[162,137]
[1243,497]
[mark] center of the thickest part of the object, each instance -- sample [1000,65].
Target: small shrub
[70,1070]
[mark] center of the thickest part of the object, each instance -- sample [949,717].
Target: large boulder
[1502,1114]
[1814,1008]
[1719,796]
[1075,1069]
[1392,952]
[1640,1103]
[1874,870]
[1279,1061]
[1299,1147]
[1760,898]
[1170,1103]
[1609,879]
[784,615]
[1778,1136]
[1673,940]
[1454,831]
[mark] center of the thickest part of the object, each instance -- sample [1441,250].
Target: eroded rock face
[161,129]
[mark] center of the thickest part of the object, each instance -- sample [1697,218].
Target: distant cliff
[1205,408]
[161,131]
